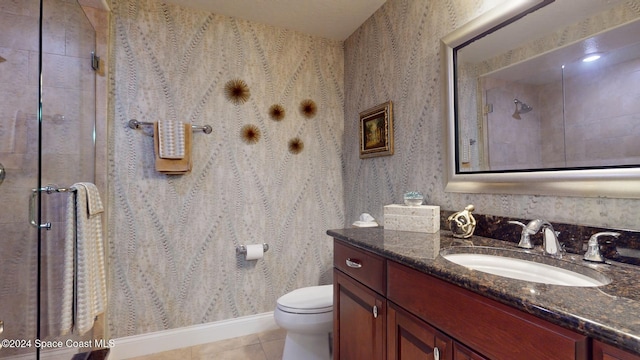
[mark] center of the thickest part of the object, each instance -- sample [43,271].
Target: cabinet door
[411,338]
[602,351]
[461,352]
[359,320]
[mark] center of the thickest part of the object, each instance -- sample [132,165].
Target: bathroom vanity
[396,297]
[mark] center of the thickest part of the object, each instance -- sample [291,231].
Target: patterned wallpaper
[172,238]
[396,56]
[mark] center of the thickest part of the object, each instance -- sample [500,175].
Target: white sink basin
[521,269]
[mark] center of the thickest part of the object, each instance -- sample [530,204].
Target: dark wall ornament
[296,146]
[308,108]
[237,91]
[250,134]
[276,112]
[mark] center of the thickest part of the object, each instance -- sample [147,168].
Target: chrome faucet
[550,243]
[593,250]
[525,239]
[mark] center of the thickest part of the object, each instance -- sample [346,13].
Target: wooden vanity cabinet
[386,310]
[602,351]
[488,327]
[411,338]
[359,309]
[461,352]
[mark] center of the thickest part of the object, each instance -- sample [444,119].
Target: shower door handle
[32,210]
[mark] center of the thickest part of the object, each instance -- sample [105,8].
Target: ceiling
[332,19]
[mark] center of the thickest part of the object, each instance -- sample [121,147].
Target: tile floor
[263,346]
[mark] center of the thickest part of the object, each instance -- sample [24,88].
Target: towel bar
[135,124]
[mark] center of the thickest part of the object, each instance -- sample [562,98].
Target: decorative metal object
[308,108]
[237,91]
[462,224]
[250,134]
[276,112]
[296,146]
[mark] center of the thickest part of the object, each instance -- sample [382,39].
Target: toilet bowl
[307,315]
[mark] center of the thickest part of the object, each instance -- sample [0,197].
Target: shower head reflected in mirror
[521,108]
[2,59]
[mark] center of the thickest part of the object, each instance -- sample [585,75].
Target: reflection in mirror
[578,114]
[526,107]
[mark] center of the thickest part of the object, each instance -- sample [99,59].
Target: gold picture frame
[376,131]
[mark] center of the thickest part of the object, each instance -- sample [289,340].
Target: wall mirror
[526,114]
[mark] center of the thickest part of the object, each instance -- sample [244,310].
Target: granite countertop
[610,313]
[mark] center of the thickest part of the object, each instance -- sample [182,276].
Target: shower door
[47,119]
[19,154]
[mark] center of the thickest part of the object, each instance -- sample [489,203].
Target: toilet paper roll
[255,252]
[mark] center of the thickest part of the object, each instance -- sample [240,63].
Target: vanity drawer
[491,328]
[361,265]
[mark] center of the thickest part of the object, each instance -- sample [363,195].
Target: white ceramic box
[422,218]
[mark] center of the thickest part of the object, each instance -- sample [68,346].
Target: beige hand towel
[174,166]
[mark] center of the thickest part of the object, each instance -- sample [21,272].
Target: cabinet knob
[353,263]
[436,353]
[375,312]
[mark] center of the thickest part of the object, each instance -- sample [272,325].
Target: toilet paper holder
[242,249]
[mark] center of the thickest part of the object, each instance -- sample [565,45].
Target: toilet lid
[308,300]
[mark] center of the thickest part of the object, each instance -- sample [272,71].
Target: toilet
[307,315]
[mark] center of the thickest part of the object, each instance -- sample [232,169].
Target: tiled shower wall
[172,238]
[592,124]
[588,117]
[604,127]
[396,56]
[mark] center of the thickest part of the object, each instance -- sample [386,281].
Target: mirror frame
[620,182]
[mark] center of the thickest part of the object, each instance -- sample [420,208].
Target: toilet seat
[308,300]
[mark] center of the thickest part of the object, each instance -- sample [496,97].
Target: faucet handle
[525,240]
[593,248]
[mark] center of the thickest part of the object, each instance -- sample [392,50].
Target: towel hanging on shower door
[85,293]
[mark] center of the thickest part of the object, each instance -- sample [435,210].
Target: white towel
[89,299]
[66,312]
[171,141]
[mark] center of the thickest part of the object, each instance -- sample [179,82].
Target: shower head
[2,59]
[522,109]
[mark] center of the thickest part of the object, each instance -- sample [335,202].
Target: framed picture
[376,131]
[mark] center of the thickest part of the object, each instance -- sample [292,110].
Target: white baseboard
[53,354]
[150,343]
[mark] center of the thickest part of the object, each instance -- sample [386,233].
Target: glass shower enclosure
[47,142]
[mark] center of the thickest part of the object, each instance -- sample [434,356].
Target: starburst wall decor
[250,134]
[296,146]
[237,91]
[276,112]
[308,108]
